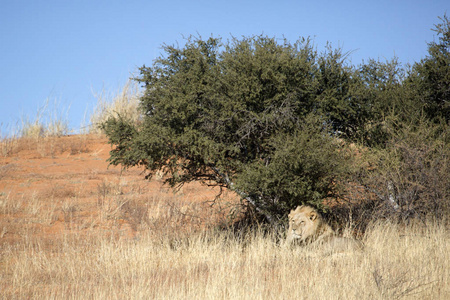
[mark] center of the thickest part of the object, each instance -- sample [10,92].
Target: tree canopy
[241,116]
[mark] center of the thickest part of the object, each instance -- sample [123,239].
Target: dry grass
[50,120]
[42,132]
[47,146]
[123,103]
[166,262]
[8,140]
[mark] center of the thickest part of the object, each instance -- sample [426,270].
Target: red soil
[58,186]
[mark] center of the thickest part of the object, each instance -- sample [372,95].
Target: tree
[336,99]
[407,132]
[245,116]
[431,76]
[381,100]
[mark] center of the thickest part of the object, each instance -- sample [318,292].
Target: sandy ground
[64,185]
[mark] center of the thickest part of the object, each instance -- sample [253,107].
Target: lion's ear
[313,216]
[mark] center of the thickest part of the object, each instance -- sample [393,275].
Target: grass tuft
[124,102]
[50,120]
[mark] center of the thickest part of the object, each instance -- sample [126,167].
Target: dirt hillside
[60,186]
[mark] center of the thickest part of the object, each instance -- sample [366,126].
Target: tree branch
[242,194]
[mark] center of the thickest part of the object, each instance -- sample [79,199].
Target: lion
[307,227]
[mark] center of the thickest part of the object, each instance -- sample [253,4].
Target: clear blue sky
[66,50]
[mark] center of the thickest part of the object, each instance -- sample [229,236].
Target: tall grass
[398,263]
[124,103]
[50,120]
[8,140]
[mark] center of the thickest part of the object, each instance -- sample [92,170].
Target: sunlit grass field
[398,262]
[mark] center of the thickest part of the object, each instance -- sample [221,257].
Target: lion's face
[303,223]
[307,227]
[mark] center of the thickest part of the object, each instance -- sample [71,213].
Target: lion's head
[306,225]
